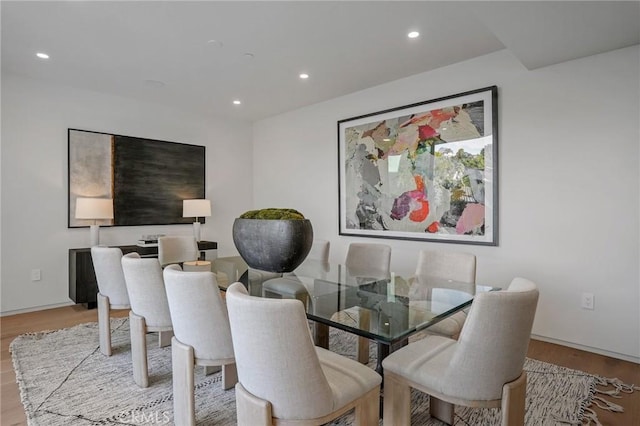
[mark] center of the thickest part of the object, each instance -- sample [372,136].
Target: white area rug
[65,380]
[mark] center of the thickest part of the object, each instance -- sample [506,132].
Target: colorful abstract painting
[426,171]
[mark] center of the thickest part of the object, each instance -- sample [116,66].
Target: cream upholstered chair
[289,286]
[456,266]
[177,249]
[230,269]
[483,368]
[112,290]
[280,385]
[368,260]
[149,310]
[201,335]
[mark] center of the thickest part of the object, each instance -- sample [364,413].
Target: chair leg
[513,401]
[368,410]
[441,410]
[251,410]
[229,376]
[362,350]
[184,408]
[164,338]
[138,330]
[104,325]
[396,401]
[211,369]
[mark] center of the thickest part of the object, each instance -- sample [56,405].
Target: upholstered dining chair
[456,266]
[483,368]
[177,249]
[305,386]
[369,260]
[289,286]
[149,310]
[201,335]
[231,268]
[112,290]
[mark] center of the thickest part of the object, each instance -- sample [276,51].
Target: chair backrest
[368,259]
[319,251]
[455,266]
[145,287]
[198,314]
[493,343]
[275,356]
[177,249]
[108,267]
[232,266]
[435,268]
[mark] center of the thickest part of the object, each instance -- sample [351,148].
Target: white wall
[568,184]
[35,118]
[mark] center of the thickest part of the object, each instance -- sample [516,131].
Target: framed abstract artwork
[426,171]
[146,178]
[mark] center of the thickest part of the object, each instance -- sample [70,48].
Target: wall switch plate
[35,275]
[587,301]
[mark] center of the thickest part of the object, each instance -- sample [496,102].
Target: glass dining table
[387,309]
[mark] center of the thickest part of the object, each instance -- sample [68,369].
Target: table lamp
[94,209]
[196,209]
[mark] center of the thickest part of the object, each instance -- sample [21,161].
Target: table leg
[321,334]
[384,350]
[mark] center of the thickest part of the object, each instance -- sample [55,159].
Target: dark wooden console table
[83,287]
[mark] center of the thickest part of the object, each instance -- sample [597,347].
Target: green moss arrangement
[273,214]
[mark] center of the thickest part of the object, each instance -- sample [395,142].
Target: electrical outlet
[35,275]
[588,300]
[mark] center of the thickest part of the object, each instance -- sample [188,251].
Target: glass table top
[385,308]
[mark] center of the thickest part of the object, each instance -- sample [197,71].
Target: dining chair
[177,249]
[230,269]
[459,267]
[289,286]
[112,290]
[201,335]
[483,368]
[367,260]
[149,310]
[279,385]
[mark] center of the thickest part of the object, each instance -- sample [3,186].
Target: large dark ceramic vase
[273,245]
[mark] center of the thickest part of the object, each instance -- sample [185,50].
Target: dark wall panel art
[147,179]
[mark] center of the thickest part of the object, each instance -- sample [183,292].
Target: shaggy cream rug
[65,380]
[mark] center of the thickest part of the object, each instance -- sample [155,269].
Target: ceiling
[201,56]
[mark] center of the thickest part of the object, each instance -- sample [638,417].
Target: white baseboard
[35,308]
[588,349]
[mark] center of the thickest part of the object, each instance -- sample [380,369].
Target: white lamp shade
[94,208]
[196,208]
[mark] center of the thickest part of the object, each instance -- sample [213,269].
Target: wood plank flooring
[12,412]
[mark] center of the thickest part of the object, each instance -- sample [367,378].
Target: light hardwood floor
[12,412]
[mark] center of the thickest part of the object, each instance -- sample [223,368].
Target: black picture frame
[427,171]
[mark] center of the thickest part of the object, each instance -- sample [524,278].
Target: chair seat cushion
[286,286]
[450,326]
[424,361]
[348,379]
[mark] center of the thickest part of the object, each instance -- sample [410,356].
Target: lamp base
[196,230]
[95,235]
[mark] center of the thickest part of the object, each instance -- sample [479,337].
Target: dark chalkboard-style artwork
[147,179]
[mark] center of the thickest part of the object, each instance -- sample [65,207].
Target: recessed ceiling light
[304,76]
[42,55]
[237,102]
[215,43]
[154,83]
[413,34]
